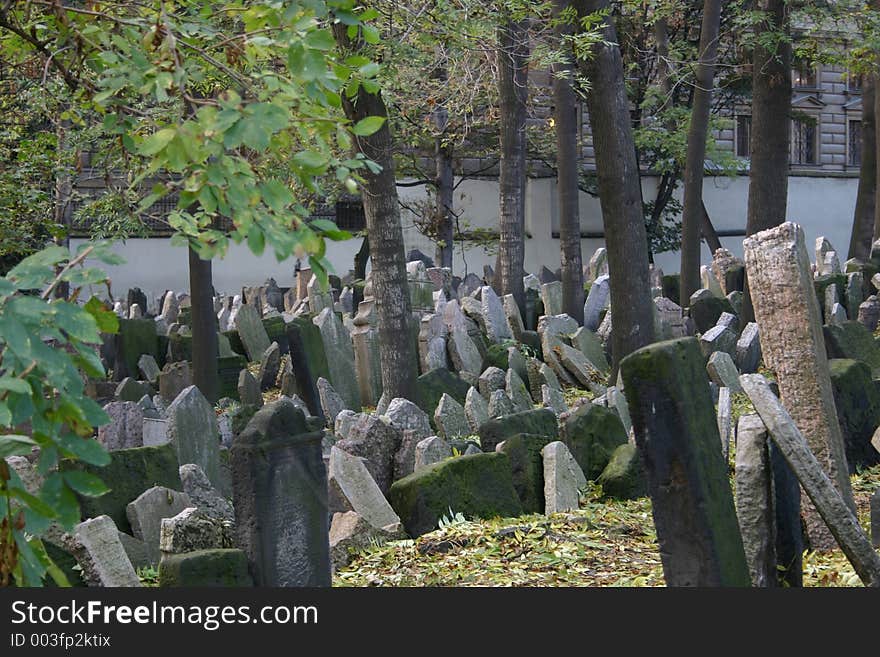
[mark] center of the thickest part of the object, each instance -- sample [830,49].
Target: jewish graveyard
[237,350]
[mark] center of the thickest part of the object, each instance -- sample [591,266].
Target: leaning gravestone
[337,343]
[787,313]
[667,390]
[450,418]
[192,428]
[252,332]
[280,498]
[563,478]
[353,487]
[145,515]
[203,494]
[96,546]
[125,428]
[173,379]
[307,352]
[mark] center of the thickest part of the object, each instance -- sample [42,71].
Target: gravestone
[598,299]
[869,313]
[173,379]
[337,341]
[552,398]
[463,352]
[497,327]
[280,498]
[307,351]
[500,404]
[365,342]
[492,379]
[252,332]
[191,530]
[404,415]
[249,390]
[551,295]
[192,428]
[748,349]
[539,422]
[517,391]
[563,478]
[146,512]
[476,409]
[754,500]
[667,389]
[592,433]
[722,371]
[527,468]
[135,338]
[724,417]
[513,316]
[270,364]
[450,419]
[376,441]
[431,450]
[126,426]
[319,298]
[149,368]
[331,403]
[95,545]
[352,487]
[203,494]
[787,312]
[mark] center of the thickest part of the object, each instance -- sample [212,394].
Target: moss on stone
[851,339]
[480,485]
[822,282]
[858,410]
[539,422]
[623,478]
[706,311]
[527,468]
[431,386]
[205,568]
[496,356]
[592,433]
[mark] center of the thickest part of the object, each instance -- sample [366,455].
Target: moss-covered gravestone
[129,473]
[309,361]
[477,486]
[820,283]
[676,431]
[431,386]
[857,401]
[527,468]
[205,568]
[707,309]
[135,338]
[592,433]
[280,498]
[539,422]
[851,339]
[624,478]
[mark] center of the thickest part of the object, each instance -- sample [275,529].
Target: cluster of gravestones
[278,494]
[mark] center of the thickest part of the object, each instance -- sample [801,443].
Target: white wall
[823,206]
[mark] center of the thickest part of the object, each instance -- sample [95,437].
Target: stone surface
[539,422]
[497,328]
[831,506]
[787,311]
[592,433]
[500,404]
[754,500]
[598,299]
[280,498]
[307,352]
[252,332]
[722,371]
[624,478]
[97,549]
[353,487]
[552,398]
[331,403]
[463,352]
[748,349]
[205,568]
[270,365]
[582,369]
[337,341]
[563,478]
[517,391]
[450,419]
[857,402]
[476,409]
[203,494]
[724,417]
[513,316]
[149,368]
[174,379]
[551,295]
[478,486]
[145,515]
[404,415]
[192,529]
[126,426]
[676,432]
[249,390]
[526,465]
[492,379]
[852,340]
[350,533]
[431,450]
[378,442]
[192,429]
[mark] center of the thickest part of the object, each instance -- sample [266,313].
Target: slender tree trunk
[565,114]
[876,234]
[771,123]
[513,53]
[205,348]
[771,129]
[397,355]
[863,219]
[63,191]
[360,271]
[444,178]
[632,314]
[692,213]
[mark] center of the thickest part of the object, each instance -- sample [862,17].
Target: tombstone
[441,277]
[126,426]
[135,312]
[192,530]
[136,297]
[307,351]
[831,506]
[203,494]
[352,487]
[551,295]
[552,398]
[869,313]
[563,478]
[837,315]
[598,299]
[709,281]
[331,403]
[722,371]
[173,379]
[787,312]
[463,352]
[497,327]
[337,341]
[450,419]
[205,568]
[149,368]
[96,547]
[378,442]
[517,391]
[365,343]
[676,432]
[500,404]
[155,432]
[469,285]
[823,246]
[280,498]
[252,332]
[146,512]
[728,270]
[135,338]
[754,500]
[432,342]
[598,263]
[724,417]
[270,364]
[345,420]
[303,278]
[513,317]
[170,307]
[404,415]
[748,349]
[718,338]
[476,409]
[431,450]
[249,390]
[854,294]
[421,289]
[550,330]
[192,428]
[516,361]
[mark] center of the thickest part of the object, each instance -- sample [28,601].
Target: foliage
[47,345]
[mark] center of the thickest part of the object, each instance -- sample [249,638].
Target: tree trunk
[565,114]
[632,316]
[63,190]
[771,123]
[397,355]
[205,348]
[513,52]
[692,214]
[863,219]
[444,181]
[360,272]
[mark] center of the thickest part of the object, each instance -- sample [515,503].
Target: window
[743,135]
[804,144]
[803,75]
[854,142]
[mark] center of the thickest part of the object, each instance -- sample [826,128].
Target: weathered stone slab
[563,478]
[352,485]
[540,422]
[205,568]
[787,312]
[249,390]
[97,549]
[450,419]
[676,431]
[174,379]
[551,295]
[145,515]
[126,426]
[463,352]
[307,352]
[192,429]
[592,433]
[337,341]
[722,371]
[827,500]
[431,450]
[203,494]
[748,349]
[270,365]
[252,332]
[598,299]
[378,442]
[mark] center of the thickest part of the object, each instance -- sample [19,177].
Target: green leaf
[14,384]
[256,239]
[311,161]
[320,40]
[369,70]
[87,449]
[157,141]
[77,323]
[368,126]
[106,319]
[34,503]
[85,483]
[15,445]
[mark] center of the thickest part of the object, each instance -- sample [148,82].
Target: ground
[604,543]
